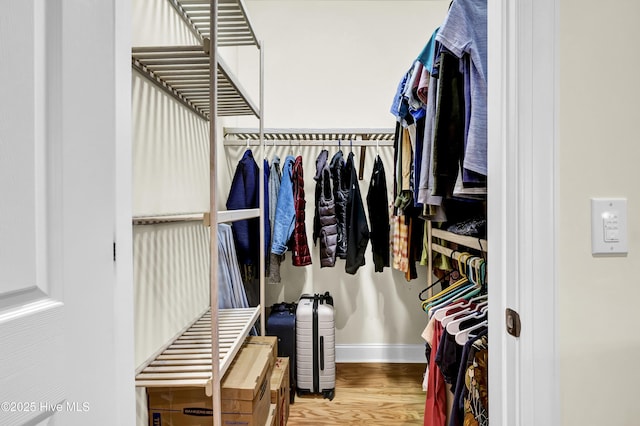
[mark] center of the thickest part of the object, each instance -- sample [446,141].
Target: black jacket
[340,196]
[357,228]
[378,206]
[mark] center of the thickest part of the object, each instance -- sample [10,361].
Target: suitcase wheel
[329,394]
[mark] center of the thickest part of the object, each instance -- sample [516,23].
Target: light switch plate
[609,226]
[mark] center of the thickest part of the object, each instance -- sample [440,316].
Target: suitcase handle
[322,353]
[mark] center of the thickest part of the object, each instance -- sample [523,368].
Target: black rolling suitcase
[281,323]
[315,345]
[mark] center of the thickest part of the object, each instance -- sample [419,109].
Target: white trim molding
[523,71]
[384,353]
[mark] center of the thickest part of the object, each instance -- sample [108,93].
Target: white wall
[599,154]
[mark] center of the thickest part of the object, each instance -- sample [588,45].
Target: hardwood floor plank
[366,394]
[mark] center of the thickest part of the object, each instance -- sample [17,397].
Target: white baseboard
[380,353]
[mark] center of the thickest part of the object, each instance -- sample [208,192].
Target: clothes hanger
[466,305]
[435,284]
[463,336]
[461,281]
[472,288]
[454,326]
[470,309]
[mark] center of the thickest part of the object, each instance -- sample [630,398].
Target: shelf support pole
[213,208]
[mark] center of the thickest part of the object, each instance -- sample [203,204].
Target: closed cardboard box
[280,390]
[179,407]
[245,395]
[245,389]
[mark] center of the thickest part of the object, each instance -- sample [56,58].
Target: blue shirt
[464,32]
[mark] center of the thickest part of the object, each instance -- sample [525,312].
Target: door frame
[522,209]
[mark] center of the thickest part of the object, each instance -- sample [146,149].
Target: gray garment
[231,291]
[275,177]
[425,185]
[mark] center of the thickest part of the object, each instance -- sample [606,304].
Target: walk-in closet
[290,80]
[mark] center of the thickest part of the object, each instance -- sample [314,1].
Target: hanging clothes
[357,227]
[300,247]
[465,383]
[275,177]
[266,209]
[378,206]
[231,291]
[448,140]
[244,194]
[464,33]
[285,216]
[341,197]
[325,221]
[435,409]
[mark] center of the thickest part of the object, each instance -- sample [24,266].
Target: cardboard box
[179,407]
[245,394]
[270,341]
[280,390]
[271,421]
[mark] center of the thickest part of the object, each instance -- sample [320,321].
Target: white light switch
[608,225]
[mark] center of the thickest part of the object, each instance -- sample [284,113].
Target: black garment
[357,228]
[378,206]
[340,195]
[448,358]
[448,141]
[321,162]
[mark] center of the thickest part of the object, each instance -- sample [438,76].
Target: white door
[31,299]
[66,353]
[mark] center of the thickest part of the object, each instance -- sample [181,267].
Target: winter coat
[340,195]
[244,194]
[325,221]
[285,210]
[357,228]
[378,206]
[300,247]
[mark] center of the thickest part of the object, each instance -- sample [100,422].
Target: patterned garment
[476,401]
[400,244]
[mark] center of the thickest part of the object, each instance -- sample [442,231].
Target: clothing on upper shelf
[244,194]
[357,227]
[300,248]
[449,148]
[464,33]
[378,206]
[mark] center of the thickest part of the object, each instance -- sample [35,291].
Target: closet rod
[446,251]
[463,240]
[298,142]
[311,134]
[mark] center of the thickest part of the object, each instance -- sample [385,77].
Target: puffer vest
[300,247]
[341,195]
[327,222]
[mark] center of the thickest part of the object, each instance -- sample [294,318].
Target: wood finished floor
[367,394]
